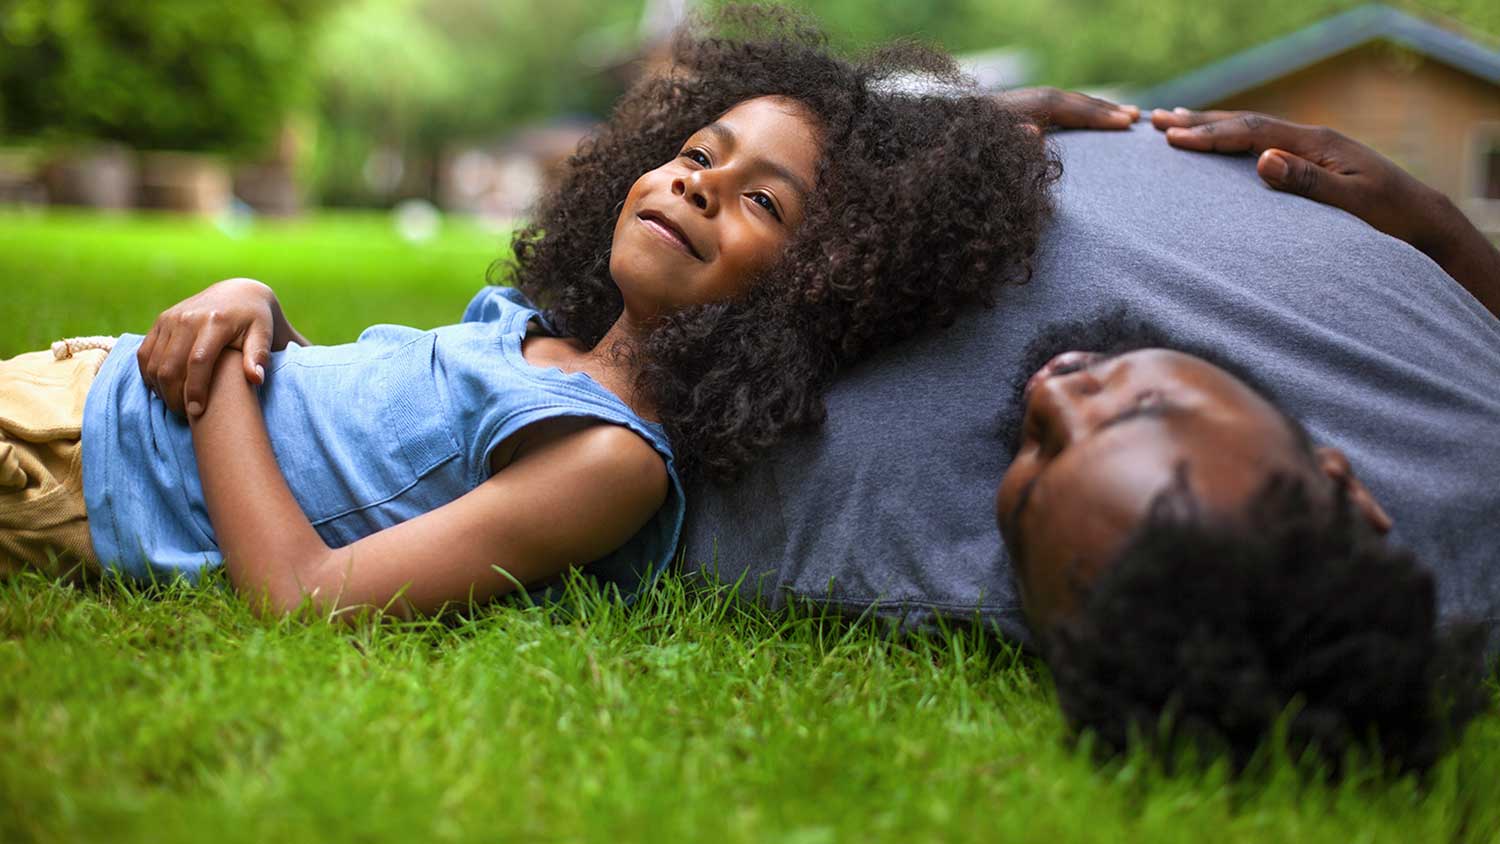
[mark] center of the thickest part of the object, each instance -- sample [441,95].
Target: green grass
[77,273]
[172,713]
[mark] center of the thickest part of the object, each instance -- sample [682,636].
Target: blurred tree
[155,74]
[404,79]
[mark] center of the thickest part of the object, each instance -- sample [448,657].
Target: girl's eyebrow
[726,137]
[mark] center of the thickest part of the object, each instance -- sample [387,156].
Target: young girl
[741,230]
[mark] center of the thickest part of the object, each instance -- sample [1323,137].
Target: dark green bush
[155,74]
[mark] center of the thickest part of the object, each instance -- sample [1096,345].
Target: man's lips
[662,226]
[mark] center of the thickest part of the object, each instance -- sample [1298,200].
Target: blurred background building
[279,105]
[1426,93]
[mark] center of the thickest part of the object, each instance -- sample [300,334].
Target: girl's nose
[698,189]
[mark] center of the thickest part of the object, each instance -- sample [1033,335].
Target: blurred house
[1425,94]
[503,181]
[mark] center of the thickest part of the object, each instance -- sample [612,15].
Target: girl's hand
[178,355]
[1052,108]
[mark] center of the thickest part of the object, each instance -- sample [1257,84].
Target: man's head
[1115,416]
[1187,557]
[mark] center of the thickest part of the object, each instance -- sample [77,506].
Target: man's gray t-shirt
[891,503]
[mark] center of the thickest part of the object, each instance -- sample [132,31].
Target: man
[1370,343]
[1194,567]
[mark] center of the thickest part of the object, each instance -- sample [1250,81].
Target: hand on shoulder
[1054,108]
[1329,167]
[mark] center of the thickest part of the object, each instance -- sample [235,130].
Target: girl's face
[699,228]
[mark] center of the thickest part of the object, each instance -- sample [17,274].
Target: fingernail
[260,372]
[194,408]
[1179,110]
[1275,167]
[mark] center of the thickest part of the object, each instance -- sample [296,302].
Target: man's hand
[1052,108]
[1314,162]
[1325,166]
[177,357]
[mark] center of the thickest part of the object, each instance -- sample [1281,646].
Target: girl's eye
[765,202]
[697,156]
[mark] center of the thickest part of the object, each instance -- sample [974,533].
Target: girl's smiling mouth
[663,227]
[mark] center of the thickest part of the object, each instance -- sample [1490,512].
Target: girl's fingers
[143,354]
[152,371]
[257,349]
[171,373]
[200,367]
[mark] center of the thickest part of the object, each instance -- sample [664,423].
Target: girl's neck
[610,362]
[614,355]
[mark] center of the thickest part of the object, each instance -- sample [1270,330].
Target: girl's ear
[1336,466]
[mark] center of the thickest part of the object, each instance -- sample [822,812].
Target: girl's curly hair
[923,205]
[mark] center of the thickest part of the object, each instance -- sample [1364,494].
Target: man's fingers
[1182,117]
[1242,133]
[1081,111]
[1250,132]
[1291,173]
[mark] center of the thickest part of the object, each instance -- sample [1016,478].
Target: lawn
[169,713]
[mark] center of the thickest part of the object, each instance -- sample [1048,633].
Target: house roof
[1323,40]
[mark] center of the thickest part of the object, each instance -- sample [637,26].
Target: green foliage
[155,74]
[1108,42]
[415,76]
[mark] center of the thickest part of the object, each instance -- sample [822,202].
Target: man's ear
[1336,466]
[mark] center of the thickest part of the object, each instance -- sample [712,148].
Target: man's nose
[700,188]
[1065,406]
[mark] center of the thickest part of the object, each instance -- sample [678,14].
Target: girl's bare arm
[571,499]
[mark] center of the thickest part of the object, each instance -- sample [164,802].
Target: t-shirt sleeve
[493,304]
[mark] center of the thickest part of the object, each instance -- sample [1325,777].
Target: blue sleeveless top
[368,434]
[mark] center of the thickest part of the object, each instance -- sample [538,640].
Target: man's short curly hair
[923,206]
[1207,628]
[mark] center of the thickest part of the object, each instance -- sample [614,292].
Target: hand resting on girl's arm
[568,495]
[178,355]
